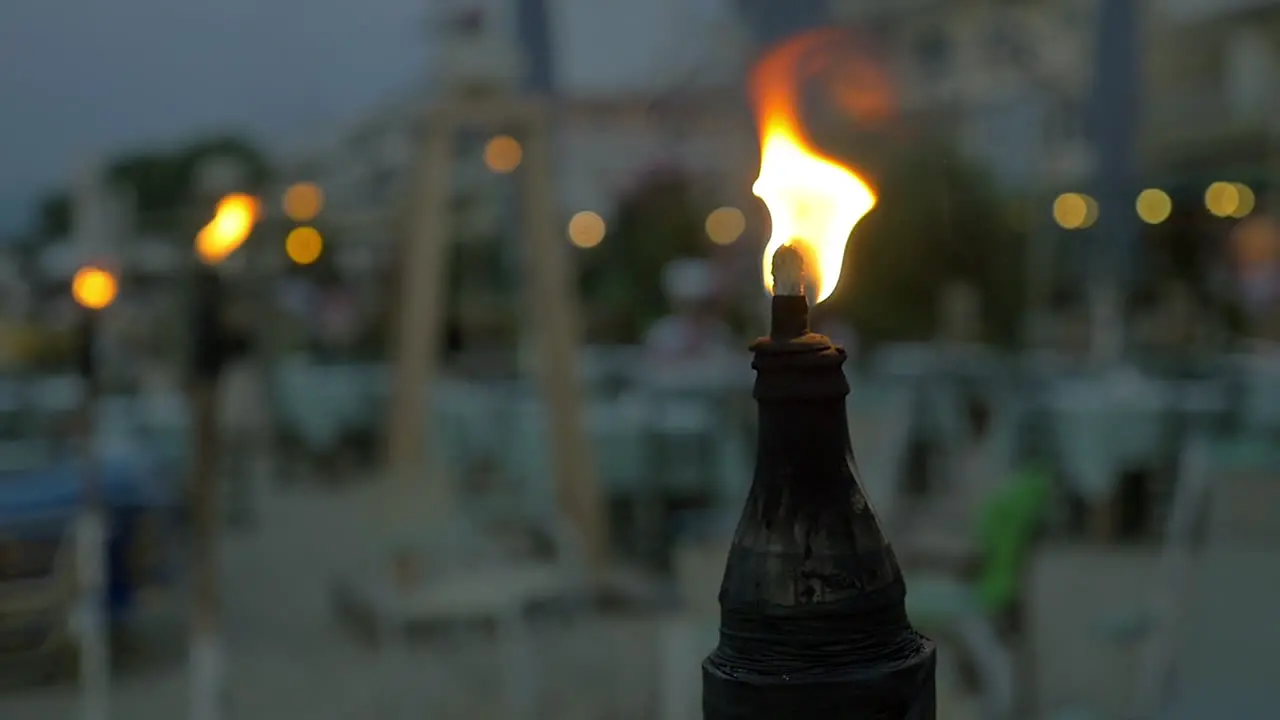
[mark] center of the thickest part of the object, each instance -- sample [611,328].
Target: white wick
[788,271]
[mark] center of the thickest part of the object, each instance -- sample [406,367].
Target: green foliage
[937,221]
[622,277]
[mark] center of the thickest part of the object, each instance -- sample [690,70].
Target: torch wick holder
[794,363]
[789,318]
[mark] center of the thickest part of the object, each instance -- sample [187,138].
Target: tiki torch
[94,288]
[813,620]
[214,345]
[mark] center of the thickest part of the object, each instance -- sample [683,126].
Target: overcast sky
[80,78]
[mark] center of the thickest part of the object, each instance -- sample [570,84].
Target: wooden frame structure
[548,292]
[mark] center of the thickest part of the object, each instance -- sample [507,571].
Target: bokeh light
[725,225]
[1075,211]
[1154,206]
[1229,200]
[586,229]
[94,288]
[1256,242]
[304,245]
[1248,201]
[231,225]
[502,154]
[303,201]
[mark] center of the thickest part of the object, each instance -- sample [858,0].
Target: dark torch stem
[211,351]
[813,621]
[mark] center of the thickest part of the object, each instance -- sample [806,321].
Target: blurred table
[1108,423]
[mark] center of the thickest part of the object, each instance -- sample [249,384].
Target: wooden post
[210,349]
[93,218]
[91,535]
[421,321]
[548,290]
[207,662]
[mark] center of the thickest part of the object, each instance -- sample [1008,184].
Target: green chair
[1005,532]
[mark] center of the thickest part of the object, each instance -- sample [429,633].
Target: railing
[1158,660]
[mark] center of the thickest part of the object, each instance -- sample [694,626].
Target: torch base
[903,691]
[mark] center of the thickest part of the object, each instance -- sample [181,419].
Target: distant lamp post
[235,215]
[95,219]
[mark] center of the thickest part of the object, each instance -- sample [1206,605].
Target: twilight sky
[84,78]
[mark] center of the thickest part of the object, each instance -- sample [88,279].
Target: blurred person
[1254,246]
[339,317]
[959,314]
[693,332]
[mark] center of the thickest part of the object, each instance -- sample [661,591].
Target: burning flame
[813,200]
[230,227]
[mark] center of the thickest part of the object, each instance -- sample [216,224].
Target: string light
[1075,211]
[502,154]
[1154,206]
[725,225]
[304,245]
[303,201]
[586,229]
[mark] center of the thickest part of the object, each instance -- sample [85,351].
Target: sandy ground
[289,658]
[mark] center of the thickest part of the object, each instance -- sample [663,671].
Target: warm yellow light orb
[725,225]
[1247,201]
[303,201]
[304,245]
[1074,211]
[1222,199]
[1154,206]
[94,288]
[232,223]
[586,229]
[502,154]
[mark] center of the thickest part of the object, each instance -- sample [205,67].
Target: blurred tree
[622,277]
[938,221]
[53,215]
[163,183]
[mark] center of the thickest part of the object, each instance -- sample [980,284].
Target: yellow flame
[813,201]
[94,288]
[231,225]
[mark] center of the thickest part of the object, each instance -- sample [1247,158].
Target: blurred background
[1061,317]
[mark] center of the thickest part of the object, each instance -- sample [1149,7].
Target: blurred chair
[1082,652]
[971,611]
[319,406]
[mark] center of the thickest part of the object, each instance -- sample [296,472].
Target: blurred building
[1213,82]
[633,85]
[1009,80]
